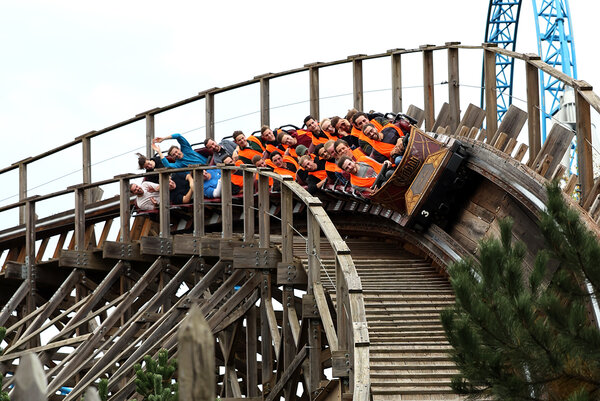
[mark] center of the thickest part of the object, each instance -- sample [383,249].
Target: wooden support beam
[248,200]
[585,165]
[14,301]
[491,101]
[428,89]
[289,344]
[264,220]
[396,82]
[265,117]
[453,89]
[30,220]
[22,190]
[209,100]
[150,133]
[226,206]
[198,179]
[287,222]
[79,233]
[265,333]
[326,316]
[255,258]
[125,210]
[533,106]
[251,351]
[88,260]
[293,367]
[164,211]
[313,73]
[357,84]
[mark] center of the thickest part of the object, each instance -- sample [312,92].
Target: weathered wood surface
[556,145]
[472,118]
[196,358]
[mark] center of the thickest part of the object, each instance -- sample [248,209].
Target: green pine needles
[529,338]
[155,381]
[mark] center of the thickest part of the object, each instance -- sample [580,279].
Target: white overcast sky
[70,67]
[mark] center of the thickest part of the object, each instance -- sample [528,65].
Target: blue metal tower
[556,47]
[501,29]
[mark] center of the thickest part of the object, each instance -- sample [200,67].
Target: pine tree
[518,338]
[154,381]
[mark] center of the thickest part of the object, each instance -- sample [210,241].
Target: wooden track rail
[297,311]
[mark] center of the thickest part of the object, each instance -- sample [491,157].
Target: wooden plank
[124,251]
[287,375]
[15,300]
[491,101]
[453,90]
[256,258]
[196,357]
[328,326]
[272,320]
[416,113]
[559,172]
[443,118]
[521,152]
[291,274]
[500,141]
[87,260]
[571,183]
[556,145]
[105,231]
[52,345]
[472,118]
[313,73]
[396,82]
[251,351]
[544,166]
[428,89]
[585,162]
[357,84]
[512,122]
[464,131]
[510,146]
[42,250]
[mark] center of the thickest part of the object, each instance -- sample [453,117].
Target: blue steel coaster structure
[555,46]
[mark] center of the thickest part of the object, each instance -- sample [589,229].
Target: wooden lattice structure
[296,310]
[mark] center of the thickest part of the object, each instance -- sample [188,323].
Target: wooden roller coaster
[308,298]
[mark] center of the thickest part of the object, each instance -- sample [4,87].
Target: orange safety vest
[332,167]
[362,182]
[290,159]
[257,141]
[376,166]
[320,174]
[284,171]
[248,153]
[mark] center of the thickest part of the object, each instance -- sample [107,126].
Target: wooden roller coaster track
[308,298]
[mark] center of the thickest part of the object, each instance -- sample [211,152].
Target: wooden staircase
[404,295]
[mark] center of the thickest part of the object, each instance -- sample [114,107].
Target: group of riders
[356,153]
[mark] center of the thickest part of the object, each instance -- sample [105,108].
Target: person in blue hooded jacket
[212,183]
[183,155]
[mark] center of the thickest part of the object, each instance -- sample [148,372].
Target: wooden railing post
[453,86]
[491,101]
[287,233]
[79,219]
[125,208]
[22,189]
[313,73]
[314,333]
[396,80]
[86,148]
[209,99]
[248,194]
[264,222]
[265,332]
[164,214]
[198,178]
[226,206]
[30,220]
[357,81]
[428,88]
[585,165]
[149,134]
[265,116]
[533,106]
